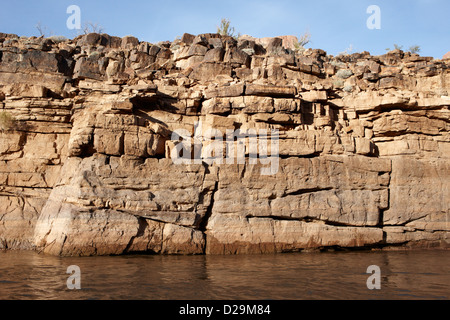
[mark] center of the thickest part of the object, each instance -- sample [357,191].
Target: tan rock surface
[89,126]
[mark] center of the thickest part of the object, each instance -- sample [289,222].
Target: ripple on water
[340,275]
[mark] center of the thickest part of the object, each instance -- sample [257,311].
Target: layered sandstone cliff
[87,139]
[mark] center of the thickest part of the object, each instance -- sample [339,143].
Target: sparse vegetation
[303,40]
[7,121]
[43,32]
[41,29]
[396,47]
[349,50]
[90,27]
[225,29]
[414,49]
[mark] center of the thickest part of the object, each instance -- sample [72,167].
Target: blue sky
[335,25]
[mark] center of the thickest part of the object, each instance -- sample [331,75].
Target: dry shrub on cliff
[91,27]
[225,29]
[7,121]
[41,29]
[414,49]
[304,39]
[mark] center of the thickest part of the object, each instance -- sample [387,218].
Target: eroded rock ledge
[86,168]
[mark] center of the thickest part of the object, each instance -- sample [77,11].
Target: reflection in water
[342,275]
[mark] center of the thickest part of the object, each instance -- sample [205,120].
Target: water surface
[339,275]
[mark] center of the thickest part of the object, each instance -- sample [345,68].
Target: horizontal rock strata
[89,128]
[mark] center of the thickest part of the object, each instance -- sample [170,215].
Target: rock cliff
[88,129]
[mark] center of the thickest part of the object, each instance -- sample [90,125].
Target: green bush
[225,29]
[414,49]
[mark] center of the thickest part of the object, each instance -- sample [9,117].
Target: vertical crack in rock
[204,221]
[143,224]
[62,245]
[380,223]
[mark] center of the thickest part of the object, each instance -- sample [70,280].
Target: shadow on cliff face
[158,102]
